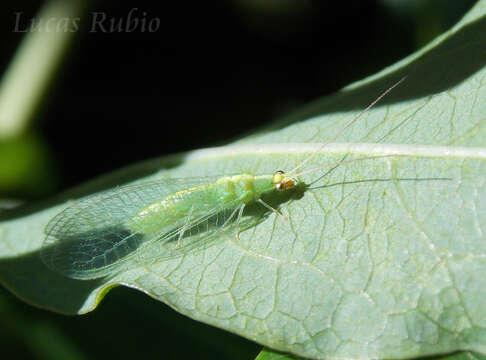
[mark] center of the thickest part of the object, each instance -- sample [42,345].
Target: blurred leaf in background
[26,169]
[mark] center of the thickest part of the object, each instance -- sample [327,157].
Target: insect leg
[238,219]
[184,228]
[229,218]
[283,217]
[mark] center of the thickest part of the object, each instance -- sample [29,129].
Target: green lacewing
[105,233]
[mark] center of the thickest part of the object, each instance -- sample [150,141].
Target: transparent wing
[114,207]
[199,235]
[93,236]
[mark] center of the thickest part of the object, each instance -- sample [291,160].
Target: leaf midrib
[370,149]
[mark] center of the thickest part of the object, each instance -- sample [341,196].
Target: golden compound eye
[278,177]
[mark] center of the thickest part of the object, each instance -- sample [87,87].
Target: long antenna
[345,162]
[347,125]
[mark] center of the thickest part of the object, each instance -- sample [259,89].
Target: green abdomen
[182,207]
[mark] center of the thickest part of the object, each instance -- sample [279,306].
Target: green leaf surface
[380,258]
[268,354]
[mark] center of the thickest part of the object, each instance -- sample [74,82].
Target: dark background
[212,72]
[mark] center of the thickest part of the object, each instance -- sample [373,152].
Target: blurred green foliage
[26,169]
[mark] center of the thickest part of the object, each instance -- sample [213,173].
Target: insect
[107,232]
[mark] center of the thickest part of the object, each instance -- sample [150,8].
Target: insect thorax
[245,187]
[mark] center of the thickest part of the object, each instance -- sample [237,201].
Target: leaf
[380,258]
[267,354]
